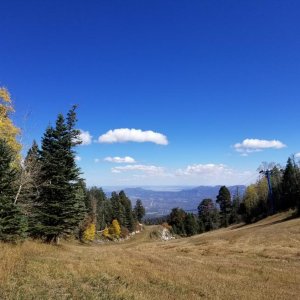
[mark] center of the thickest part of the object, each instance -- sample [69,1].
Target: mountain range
[159,201]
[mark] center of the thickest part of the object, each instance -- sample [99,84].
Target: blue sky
[217,81]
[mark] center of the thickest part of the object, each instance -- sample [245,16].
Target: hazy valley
[159,201]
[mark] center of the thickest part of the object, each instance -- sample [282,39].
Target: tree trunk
[53,239]
[18,193]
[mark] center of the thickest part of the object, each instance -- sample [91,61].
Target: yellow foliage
[115,228]
[4,94]
[251,197]
[7,129]
[90,232]
[105,232]
[262,189]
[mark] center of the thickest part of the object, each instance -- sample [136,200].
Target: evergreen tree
[13,224]
[139,210]
[191,224]
[290,184]
[208,215]
[99,207]
[276,180]
[29,180]
[235,211]
[102,199]
[127,208]
[29,187]
[177,220]
[61,198]
[224,200]
[108,212]
[118,212]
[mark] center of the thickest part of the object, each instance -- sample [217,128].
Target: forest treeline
[258,202]
[43,196]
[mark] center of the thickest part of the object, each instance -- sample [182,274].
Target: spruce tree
[96,200]
[61,203]
[224,200]
[101,211]
[30,179]
[176,220]
[235,211]
[208,215]
[13,223]
[118,212]
[127,207]
[276,180]
[191,225]
[290,184]
[108,212]
[139,210]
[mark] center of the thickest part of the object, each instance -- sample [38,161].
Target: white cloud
[204,169]
[297,155]
[194,174]
[85,137]
[77,158]
[214,174]
[148,169]
[123,135]
[198,174]
[120,160]
[256,145]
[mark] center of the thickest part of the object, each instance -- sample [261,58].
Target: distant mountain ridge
[160,202]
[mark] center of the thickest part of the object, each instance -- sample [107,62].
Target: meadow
[258,261]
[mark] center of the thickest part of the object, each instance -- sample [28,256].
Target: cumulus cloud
[204,169]
[85,137]
[205,174]
[193,174]
[123,135]
[256,145]
[213,174]
[120,160]
[148,169]
[297,155]
[77,158]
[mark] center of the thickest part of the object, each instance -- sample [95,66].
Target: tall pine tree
[224,200]
[235,211]
[139,210]
[29,180]
[61,203]
[128,215]
[191,224]
[13,224]
[118,212]
[208,215]
[290,184]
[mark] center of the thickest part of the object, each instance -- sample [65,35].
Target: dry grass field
[259,261]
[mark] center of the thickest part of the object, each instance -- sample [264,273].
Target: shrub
[90,232]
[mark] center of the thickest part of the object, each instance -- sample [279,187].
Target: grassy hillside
[259,261]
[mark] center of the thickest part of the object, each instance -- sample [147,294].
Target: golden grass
[259,261]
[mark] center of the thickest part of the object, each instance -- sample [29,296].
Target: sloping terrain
[258,261]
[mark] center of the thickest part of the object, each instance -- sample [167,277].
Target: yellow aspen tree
[105,232]
[90,232]
[8,130]
[116,228]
